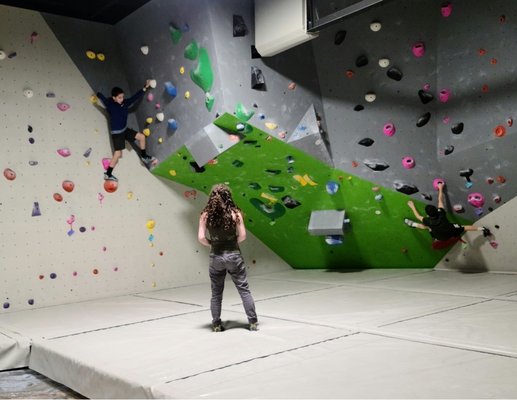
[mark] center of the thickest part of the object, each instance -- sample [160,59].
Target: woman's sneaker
[217,327]
[254,326]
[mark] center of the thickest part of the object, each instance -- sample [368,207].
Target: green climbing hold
[203,75]
[176,34]
[242,113]
[191,50]
[209,101]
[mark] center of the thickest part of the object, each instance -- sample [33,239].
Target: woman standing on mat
[223,221]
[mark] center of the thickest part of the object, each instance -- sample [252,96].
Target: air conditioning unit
[280,25]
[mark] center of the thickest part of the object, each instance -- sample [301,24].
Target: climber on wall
[118,109]
[436,222]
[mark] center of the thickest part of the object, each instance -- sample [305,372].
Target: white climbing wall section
[92,243]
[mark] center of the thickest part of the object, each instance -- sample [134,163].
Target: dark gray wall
[403,24]
[476,25]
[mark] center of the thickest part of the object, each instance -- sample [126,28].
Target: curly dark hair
[220,207]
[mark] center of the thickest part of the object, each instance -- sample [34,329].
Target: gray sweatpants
[232,263]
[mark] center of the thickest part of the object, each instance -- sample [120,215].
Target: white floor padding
[363,334]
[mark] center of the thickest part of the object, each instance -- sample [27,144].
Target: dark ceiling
[106,11]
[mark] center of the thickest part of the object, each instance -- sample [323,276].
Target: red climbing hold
[349,73]
[481,52]
[443,244]
[500,131]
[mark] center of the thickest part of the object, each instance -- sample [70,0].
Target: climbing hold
[203,75]
[493,61]
[152,83]
[87,153]
[182,70]
[394,73]
[176,34]
[332,187]
[375,26]
[149,120]
[105,163]
[509,121]
[31,140]
[423,119]
[28,93]
[2,55]
[355,164]
[418,49]
[448,150]
[502,19]
[271,125]
[476,199]
[209,101]
[457,128]
[437,182]
[334,240]
[57,197]
[160,140]
[376,188]
[499,131]
[291,86]
[240,127]
[187,95]
[496,198]
[359,107]
[408,162]
[191,50]
[446,9]
[446,120]
[150,97]
[110,186]
[258,82]
[144,50]
[489,180]
[426,196]
[242,112]
[427,87]
[367,142]
[484,88]
[467,173]
[171,89]
[146,131]
[500,179]
[389,129]
[90,54]
[68,186]
[289,202]
[101,56]
[405,188]
[190,194]
[157,106]
[172,124]
[376,165]
[160,116]
[129,195]
[63,106]
[425,97]
[239,26]
[12,55]
[64,152]
[458,208]
[361,61]
[384,62]
[339,37]
[237,163]
[370,97]
[444,95]
[33,163]
[9,174]
[35,210]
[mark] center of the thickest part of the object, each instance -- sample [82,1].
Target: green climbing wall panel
[261,170]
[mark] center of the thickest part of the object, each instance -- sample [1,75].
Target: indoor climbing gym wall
[67,234]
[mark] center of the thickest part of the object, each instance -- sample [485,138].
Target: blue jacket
[118,112]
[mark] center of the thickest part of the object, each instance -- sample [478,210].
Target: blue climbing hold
[171,89]
[332,187]
[172,124]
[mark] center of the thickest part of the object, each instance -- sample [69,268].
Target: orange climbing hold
[500,179]
[500,131]
[481,52]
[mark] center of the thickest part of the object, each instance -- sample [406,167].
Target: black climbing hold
[254,185]
[290,170]
[359,107]
[426,196]
[273,171]
[237,163]
[394,73]
[376,165]
[361,61]
[367,142]
[239,26]
[289,202]
[276,189]
[258,82]
[448,150]
[29,128]
[254,52]
[217,115]
[457,128]
[467,173]
[255,105]
[250,142]
[423,119]
[405,188]
[196,167]
[425,97]
[339,37]
[496,226]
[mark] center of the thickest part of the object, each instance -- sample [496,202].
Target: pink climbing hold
[9,174]
[64,152]
[106,163]
[408,162]
[458,208]
[444,95]
[509,121]
[389,129]
[427,87]
[438,181]
[446,119]
[157,106]
[418,49]
[476,199]
[63,106]
[446,9]
[150,97]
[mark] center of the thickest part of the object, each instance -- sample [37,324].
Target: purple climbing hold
[423,119]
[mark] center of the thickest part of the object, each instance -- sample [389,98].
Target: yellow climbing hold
[146,131]
[129,195]
[272,199]
[149,120]
[93,99]
[160,140]
[300,180]
[182,70]
[309,180]
[271,125]
[187,95]
[172,172]
[90,54]
[101,57]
